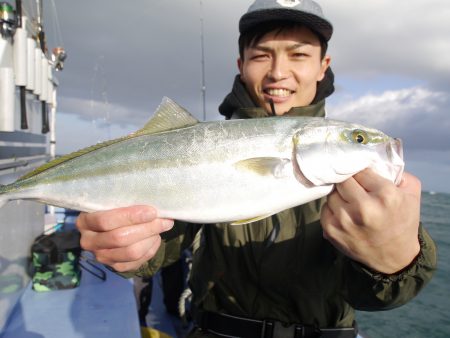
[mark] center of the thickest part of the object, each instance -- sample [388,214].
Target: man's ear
[324,64]
[240,65]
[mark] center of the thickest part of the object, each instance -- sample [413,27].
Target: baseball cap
[306,12]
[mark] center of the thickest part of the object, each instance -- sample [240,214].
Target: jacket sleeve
[368,290]
[173,243]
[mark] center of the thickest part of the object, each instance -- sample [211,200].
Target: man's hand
[373,221]
[123,238]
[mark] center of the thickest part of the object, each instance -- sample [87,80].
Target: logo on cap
[288,3]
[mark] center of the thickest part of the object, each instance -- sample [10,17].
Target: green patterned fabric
[55,261]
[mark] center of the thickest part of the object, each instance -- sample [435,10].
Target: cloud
[133,55]
[417,115]
[394,37]
[103,112]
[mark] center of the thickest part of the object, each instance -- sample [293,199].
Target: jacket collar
[313,110]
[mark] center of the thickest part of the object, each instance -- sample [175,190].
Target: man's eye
[259,56]
[299,55]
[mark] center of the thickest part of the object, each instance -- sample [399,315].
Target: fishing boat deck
[96,308]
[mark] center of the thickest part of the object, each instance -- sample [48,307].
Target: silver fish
[206,172]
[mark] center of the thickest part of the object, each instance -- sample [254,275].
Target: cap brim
[317,24]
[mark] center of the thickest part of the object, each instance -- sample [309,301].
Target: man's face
[283,67]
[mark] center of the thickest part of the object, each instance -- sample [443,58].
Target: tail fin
[3,196]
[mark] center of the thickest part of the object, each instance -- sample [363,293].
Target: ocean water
[427,315]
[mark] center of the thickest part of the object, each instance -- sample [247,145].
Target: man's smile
[278,92]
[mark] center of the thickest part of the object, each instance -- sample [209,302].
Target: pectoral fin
[265,166]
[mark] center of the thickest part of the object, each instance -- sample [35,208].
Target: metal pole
[19,12]
[203,61]
[51,209]
[39,13]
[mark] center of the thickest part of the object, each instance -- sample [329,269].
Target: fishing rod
[202,46]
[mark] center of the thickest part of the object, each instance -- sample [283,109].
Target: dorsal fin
[168,116]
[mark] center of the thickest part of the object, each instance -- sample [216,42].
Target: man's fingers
[325,219]
[340,209]
[350,190]
[370,180]
[355,190]
[131,266]
[124,236]
[108,220]
[410,184]
[330,225]
[134,253]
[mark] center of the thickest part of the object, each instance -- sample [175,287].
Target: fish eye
[360,136]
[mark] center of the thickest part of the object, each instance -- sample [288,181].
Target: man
[302,272]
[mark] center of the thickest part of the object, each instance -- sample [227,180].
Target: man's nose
[279,69]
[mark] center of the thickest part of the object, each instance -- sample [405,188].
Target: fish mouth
[394,150]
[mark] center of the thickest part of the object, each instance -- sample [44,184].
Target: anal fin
[250,220]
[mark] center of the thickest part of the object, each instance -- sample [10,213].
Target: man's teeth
[278,92]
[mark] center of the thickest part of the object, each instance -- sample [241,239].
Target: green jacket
[281,268]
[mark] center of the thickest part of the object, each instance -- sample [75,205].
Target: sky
[390,58]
